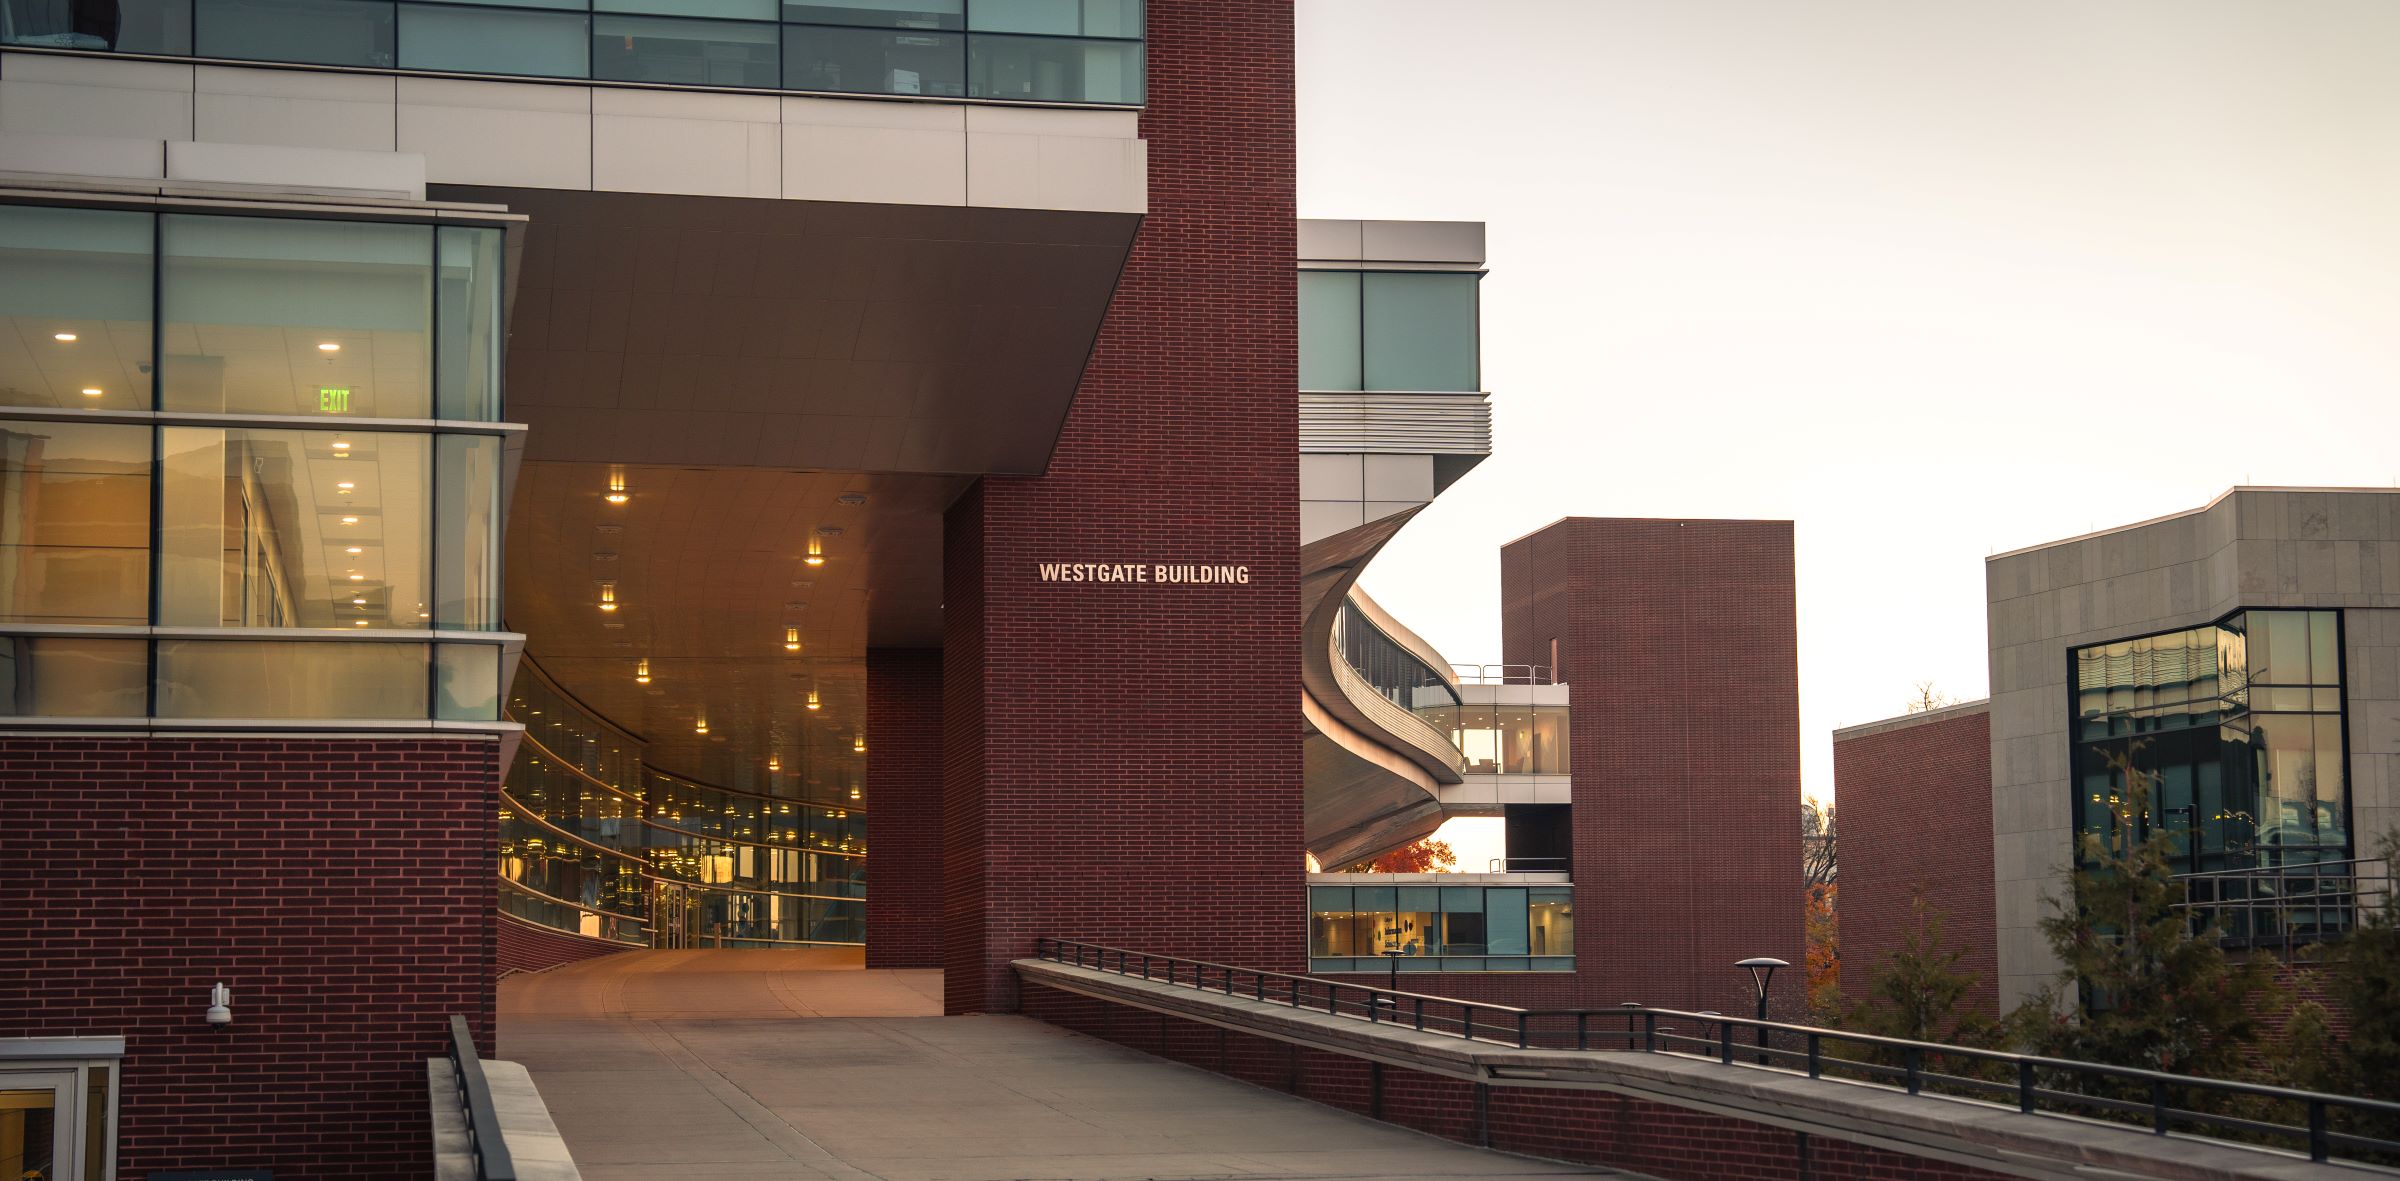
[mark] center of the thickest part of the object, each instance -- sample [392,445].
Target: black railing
[490,1150]
[2325,1125]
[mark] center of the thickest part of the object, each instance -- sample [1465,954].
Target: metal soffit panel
[723,331]
[1408,424]
[708,569]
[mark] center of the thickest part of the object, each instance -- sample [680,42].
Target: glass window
[684,52]
[1504,918]
[887,14]
[470,324]
[1419,917]
[479,41]
[1062,18]
[126,26]
[74,523]
[318,32]
[466,535]
[874,61]
[1550,918]
[274,528]
[1420,331]
[466,682]
[280,316]
[1463,930]
[286,679]
[71,677]
[75,294]
[1516,739]
[1550,739]
[1329,346]
[737,10]
[1055,69]
[1330,930]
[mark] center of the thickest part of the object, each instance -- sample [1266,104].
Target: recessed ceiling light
[356,549]
[341,444]
[345,486]
[852,499]
[91,391]
[63,337]
[349,520]
[358,602]
[327,346]
[358,578]
[362,623]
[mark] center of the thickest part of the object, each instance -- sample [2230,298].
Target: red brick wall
[531,947]
[342,889]
[1122,761]
[1678,641]
[1915,817]
[904,808]
[1588,1127]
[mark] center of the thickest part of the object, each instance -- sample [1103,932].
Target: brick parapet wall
[1679,643]
[1586,1127]
[1914,808]
[904,808]
[342,888]
[1105,740]
[531,947]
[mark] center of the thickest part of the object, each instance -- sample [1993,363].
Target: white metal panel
[711,145]
[295,108]
[896,153]
[498,133]
[95,96]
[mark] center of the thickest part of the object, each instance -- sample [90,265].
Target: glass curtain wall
[1436,928]
[1394,671]
[198,515]
[1035,51]
[598,837]
[1509,739]
[1389,331]
[2236,728]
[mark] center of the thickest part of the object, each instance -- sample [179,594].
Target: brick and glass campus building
[488,486]
[2241,660]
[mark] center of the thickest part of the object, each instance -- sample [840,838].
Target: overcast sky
[1931,279]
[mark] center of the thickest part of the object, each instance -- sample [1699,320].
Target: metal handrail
[484,1140]
[2030,1081]
[1510,864]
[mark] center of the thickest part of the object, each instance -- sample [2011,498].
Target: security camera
[219,998]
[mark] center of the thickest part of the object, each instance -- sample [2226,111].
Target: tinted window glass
[889,14]
[74,308]
[1329,342]
[321,32]
[1420,331]
[475,41]
[874,61]
[684,52]
[74,523]
[265,679]
[64,677]
[1055,69]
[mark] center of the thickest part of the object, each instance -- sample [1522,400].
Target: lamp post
[1762,969]
[1393,951]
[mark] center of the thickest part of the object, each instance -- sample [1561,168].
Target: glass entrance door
[37,1126]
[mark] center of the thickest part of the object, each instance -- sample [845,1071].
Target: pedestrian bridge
[804,1065]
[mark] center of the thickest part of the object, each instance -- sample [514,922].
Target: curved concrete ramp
[713,1065]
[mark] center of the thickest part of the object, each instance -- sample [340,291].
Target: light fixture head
[362,623]
[701,727]
[346,486]
[641,671]
[220,1006]
[341,444]
[853,499]
[859,744]
[63,337]
[791,639]
[616,485]
[92,391]
[354,549]
[357,577]
[328,346]
[359,602]
[854,793]
[608,595]
[816,552]
[774,763]
[349,520]
[812,700]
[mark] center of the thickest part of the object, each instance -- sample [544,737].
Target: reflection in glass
[1420,331]
[1329,342]
[316,32]
[1055,69]
[466,682]
[874,61]
[272,528]
[270,679]
[1059,18]
[470,324]
[74,308]
[317,318]
[1440,928]
[128,26]
[71,677]
[889,14]
[684,52]
[29,1133]
[74,523]
[484,41]
[466,535]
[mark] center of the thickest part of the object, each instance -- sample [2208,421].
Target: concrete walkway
[744,1064]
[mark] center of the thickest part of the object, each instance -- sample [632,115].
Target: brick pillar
[1122,760]
[904,807]
[1679,642]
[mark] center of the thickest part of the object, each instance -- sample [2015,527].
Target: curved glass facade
[236,484]
[594,841]
[1394,671]
[1035,51]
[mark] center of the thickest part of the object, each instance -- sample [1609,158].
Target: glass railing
[562,915]
[1031,51]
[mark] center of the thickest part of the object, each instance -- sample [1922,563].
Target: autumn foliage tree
[1423,856]
[1820,928]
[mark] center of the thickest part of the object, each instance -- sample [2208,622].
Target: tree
[1816,844]
[1422,856]
[1929,699]
[1820,927]
[1917,992]
[2150,990]
[2361,971]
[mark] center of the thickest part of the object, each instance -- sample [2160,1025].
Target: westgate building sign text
[1160,572]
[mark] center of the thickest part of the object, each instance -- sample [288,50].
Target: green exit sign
[333,401]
